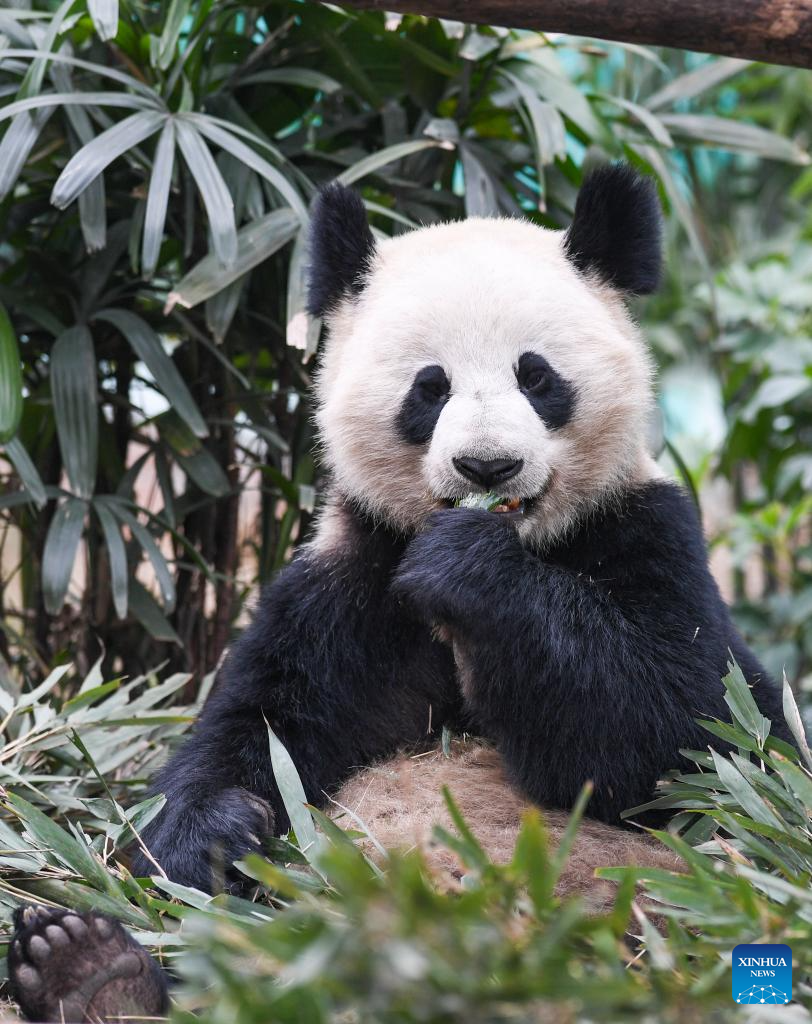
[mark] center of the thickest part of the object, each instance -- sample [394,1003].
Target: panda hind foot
[76,967]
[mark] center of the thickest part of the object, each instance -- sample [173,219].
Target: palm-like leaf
[11,380]
[73,386]
[86,165]
[213,191]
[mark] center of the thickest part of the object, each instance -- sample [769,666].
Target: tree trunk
[776,31]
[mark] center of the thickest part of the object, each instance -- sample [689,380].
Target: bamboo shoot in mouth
[491,502]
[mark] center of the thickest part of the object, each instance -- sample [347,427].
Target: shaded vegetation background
[155,176]
[156,462]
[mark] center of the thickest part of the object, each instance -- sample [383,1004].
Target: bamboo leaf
[158,199]
[92,202]
[742,703]
[378,160]
[17,143]
[255,243]
[105,17]
[59,555]
[653,125]
[164,475]
[306,78]
[302,329]
[102,70]
[117,554]
[80,99]
[681,207]
[691,84]
[73,387]
[725,133]
[775,391]
[150,548]
[251,159]
[148,612]
[11,379]
[531,857]
[798,782]
[557,89]
[549,133]
[746,796]
[480,193]
[32,82]
[221,308]
[82,897]
[468,845]
[194,459]
[559,859]
[147,346]
[33,697]
[27,472]
[213,190]
[795,722]
[293,795]
[178,10]
[92,158]
[67,849]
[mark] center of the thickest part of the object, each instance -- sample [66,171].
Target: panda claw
[33,914]
[263,810]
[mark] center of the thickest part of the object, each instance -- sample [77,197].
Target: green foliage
[761,303]
[156,169]
[155,175]
[331,934]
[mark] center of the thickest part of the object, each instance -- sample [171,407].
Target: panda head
[486,355]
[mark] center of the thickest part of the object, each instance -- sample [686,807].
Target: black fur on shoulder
[616,232]
[341,247]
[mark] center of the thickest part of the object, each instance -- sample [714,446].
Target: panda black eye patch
[423,404]
[551,395]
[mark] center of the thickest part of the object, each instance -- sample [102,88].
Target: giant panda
[578,637]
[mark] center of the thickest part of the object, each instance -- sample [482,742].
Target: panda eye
[433,383]
[552,396]
[534,380]
[423,405]
[532,372]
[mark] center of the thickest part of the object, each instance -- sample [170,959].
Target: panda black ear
[616,232]
[341,247]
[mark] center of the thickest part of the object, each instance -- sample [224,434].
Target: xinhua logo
[762,974]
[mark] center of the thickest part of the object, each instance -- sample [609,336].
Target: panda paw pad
[73,967]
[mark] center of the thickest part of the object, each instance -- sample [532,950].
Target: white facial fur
[472,297]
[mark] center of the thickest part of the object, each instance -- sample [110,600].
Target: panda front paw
[459,567]
[197,845]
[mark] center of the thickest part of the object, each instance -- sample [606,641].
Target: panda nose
[488,472]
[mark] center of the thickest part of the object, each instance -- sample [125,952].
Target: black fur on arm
[342,677]
[341,247]
[616,232]
[593,663]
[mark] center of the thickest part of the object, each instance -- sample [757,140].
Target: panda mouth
[509,508]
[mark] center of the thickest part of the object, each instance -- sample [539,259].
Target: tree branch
[776,31]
